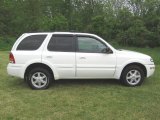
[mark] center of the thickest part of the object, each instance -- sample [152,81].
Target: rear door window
[32,42]
[62,43]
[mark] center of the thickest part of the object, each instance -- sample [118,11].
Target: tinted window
[88,44]
[32,42]
[62,43]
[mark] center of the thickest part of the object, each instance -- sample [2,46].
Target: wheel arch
[137,64]
[34,65]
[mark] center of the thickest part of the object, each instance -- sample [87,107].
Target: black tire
[136,81]
[25,78]
[31,78]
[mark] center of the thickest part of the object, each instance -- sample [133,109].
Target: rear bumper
[150,70]
[15,70]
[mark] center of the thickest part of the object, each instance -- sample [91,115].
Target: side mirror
[107,50]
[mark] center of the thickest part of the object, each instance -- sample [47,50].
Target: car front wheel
[132,76]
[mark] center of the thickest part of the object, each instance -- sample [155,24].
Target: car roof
[73,33]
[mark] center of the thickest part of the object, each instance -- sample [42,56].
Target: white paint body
[76,65]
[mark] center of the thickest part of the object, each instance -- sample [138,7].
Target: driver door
[91,61]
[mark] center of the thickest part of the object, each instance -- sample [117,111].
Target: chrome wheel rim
[133,77]
[39,80]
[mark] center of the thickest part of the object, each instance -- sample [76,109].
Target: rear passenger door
[60,52]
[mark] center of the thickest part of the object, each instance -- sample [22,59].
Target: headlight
[151,60]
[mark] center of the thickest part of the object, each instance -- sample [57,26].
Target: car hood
[133,54]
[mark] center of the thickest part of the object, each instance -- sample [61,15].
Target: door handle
[48,56]
[82,58]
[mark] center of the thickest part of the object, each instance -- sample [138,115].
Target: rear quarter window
[32,42]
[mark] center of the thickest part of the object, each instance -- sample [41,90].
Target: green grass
[80,99]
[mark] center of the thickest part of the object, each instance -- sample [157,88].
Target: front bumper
[150,69]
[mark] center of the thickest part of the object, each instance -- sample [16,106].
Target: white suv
[40,58]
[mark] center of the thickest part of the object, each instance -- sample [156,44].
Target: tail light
[11,58]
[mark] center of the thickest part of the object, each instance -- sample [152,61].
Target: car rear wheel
[39,78]
[132,76]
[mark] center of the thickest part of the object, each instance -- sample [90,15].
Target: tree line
[126,22]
